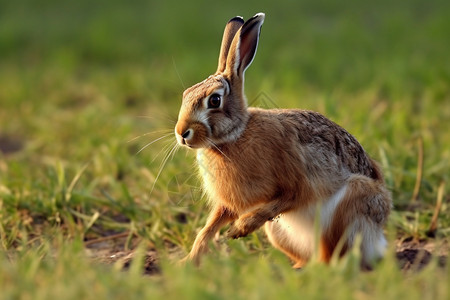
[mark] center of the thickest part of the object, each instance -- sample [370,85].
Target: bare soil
[112,250]
[412,255]
[415,255]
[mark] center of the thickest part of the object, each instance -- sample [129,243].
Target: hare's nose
[188,134]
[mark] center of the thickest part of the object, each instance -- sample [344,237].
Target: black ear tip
[237,19]
[259,16]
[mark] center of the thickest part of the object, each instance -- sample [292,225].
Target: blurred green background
[76,75]
[84,85]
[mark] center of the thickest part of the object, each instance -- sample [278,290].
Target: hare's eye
[214,101]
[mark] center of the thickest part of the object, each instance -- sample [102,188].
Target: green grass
[79,81]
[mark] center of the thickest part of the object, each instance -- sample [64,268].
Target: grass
[80,81]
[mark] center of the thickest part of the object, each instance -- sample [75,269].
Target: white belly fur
[297,228]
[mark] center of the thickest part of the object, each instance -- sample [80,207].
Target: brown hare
[282,168]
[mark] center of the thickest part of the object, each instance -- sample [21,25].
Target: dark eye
[214,101]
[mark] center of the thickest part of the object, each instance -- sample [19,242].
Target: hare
[288,169]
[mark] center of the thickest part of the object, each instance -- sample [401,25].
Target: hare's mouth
[190,146]
[192,142]
[194,145]
[192,135]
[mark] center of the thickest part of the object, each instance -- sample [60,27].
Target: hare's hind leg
[363,210]
[293,234]
[280,240]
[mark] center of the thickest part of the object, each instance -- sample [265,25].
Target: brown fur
[259,164]
[373,211]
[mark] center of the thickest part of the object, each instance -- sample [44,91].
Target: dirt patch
[112,250]
[10,144]
[415,255]
[411,255]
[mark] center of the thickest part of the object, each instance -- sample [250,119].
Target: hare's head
[214,111]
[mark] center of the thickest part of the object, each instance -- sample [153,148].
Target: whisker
[163,164]
[178,74]
[177,146]
[167,118]
[165,149]
[149,133]
[217,148]
[154,141]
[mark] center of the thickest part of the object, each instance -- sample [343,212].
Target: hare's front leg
[253,220]
[219,217]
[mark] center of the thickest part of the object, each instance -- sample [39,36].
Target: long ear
[230,31]
[244,45]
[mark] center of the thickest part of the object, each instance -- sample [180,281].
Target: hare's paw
[234,232]
[193,256]
[244,226]
[183,261]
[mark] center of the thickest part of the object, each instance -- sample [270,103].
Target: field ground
[89,94]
